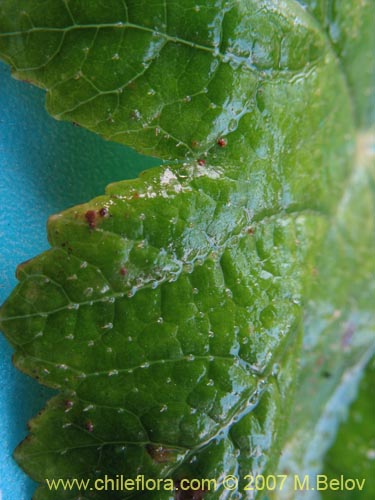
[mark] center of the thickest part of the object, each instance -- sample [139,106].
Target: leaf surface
[169,311]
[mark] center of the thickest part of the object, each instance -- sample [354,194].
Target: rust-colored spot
[190,494]
[159,454]
[68,404]
[251,230]
[89,426]
[194,144]
[123,271]
[348,333]
[135,196]
[222,142]
[90,216]
[104,212]
[201,162]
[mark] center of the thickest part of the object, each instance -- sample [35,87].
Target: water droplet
[107,326]
[88,292]
[210,382]
[195,291]
[69,337]
[88,408]
[228,293]
[168,380]
[73,306]
[90,343]
[83,265]
[233,124]
[142,216]
[109,349]
[145,365]
[261,385]
[115,57]
[190,357]
[187,98]
[136,114]
[253,399]
[275,369]
[112,373]
[163,409]
[211,334]
[160,320]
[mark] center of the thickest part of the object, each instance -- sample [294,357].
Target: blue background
[45,167]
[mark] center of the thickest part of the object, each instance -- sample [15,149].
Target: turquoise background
[45,166]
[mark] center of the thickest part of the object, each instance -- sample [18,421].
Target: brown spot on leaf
[104,212]
[201,162]
[348,333]
[90,217]
[159,454]
[190,494]
[123,271]
[251,230]
[222,142]
[68,404]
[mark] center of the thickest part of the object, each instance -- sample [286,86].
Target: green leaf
[168,312]
[353,451]
[339,334]
[349,28]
